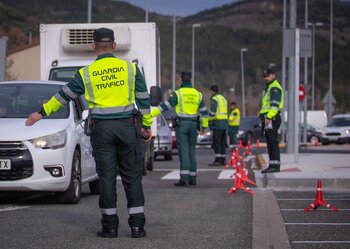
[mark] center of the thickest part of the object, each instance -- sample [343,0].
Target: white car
[337,130]
[163,140]
[52,155]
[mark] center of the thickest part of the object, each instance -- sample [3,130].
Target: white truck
[65,48]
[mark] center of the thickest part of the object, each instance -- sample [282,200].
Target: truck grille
[21,161]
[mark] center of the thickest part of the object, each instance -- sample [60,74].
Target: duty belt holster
[137,120]
[176,121]
[89,124]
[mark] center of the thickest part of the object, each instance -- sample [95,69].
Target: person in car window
[111,86]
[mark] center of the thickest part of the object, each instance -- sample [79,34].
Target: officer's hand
[33,118]
[267,121]
[147,133]
[202,131]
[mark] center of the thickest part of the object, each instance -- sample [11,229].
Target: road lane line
[12,208]
[317,224]
[309,199]
[319,209]
[321,242]
[173,175]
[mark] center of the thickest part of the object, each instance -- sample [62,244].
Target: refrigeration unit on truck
[65,48]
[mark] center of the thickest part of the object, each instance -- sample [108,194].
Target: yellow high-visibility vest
[188,100]
[234,120]
[109,85]
[221,109]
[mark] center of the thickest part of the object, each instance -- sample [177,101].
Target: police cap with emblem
[268,71]
[103,35]
[187,74]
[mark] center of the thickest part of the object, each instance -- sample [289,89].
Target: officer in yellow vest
[270,114]
[188,102]
[111,86]
[218,124]
[234,120]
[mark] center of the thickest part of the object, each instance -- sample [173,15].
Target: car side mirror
[155,95]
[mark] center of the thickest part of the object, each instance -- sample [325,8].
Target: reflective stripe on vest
[109,85]
[221,109]
[266,103]
[188,100]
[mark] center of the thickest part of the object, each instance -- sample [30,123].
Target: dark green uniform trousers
[219,145]
[272,143]
[116,144]
[186,139]
[232,132]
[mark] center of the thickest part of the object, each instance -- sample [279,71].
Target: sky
[178,7]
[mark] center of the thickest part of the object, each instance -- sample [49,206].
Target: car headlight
[54,141]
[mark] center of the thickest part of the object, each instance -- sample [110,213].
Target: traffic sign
[302,93]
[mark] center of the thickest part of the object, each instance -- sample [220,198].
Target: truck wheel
[94,187]
[73,193]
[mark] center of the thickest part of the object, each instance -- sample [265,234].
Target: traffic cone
[245,176]
[239,182]
[319,200]
[235,158]
[257,143]
[240,145]
[247,150]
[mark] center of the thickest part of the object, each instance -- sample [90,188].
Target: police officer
[187,102]
[272,104]
[234,121]
[111,86]
[218,124]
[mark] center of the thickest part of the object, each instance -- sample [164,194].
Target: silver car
[337,130]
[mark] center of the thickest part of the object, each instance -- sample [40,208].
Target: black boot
[271,169]
[180,184]
[138,232]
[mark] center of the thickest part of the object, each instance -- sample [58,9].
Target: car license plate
[5,164]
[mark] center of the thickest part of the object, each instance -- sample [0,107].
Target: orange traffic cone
[239,182]
[240,145]
[257,143]
[235,157]
[247,150]
[319,200]
[245,176]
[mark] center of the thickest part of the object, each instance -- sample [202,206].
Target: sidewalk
[303,171]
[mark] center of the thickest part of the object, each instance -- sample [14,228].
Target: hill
[254,24]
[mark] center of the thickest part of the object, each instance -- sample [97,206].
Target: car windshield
[339,122]
[22,99]
[63,73]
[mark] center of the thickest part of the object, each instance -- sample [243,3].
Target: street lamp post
[242,75]
[196,25]
[313,25]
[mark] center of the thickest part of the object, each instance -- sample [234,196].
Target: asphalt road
[193,217]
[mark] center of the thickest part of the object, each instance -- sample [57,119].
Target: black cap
[103,35]
[184,74]
[268,71]
[214,88]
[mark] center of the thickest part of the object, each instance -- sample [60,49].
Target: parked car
[54,154]
[250,130]
[337,130]
[313,135]
[206,138]
[163,141]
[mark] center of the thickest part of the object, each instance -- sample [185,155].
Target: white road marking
[310,199]
[318,224]
[225,174]
[321,242]
[319,209]
[12,208]
[173,175]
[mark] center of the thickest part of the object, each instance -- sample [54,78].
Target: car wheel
[94,187]
[73,193]
[248,138]
[168,157]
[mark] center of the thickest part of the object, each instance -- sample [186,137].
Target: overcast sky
[178,7]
